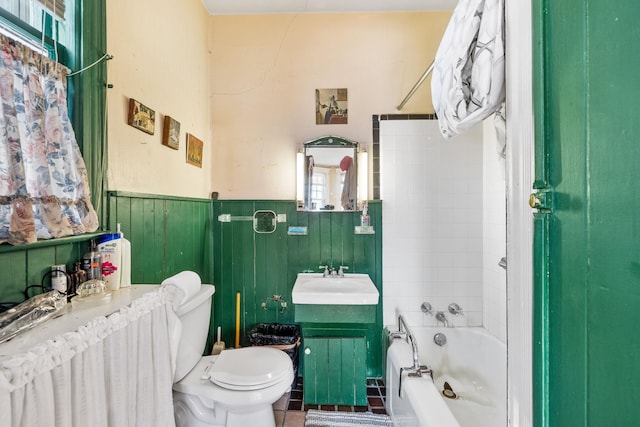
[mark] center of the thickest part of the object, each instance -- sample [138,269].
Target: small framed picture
[141,116]
[194,151]
[171,133]
[332,106]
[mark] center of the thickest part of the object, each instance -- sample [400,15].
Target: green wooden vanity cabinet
[335,370]
[334,356]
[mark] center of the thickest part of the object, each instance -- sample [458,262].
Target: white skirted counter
[108,364]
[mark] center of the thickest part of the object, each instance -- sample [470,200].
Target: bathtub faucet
[441,317]
[455,309]
[426,308]
[408,336]
[417,370]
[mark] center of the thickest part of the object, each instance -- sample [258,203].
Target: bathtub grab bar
[416,370]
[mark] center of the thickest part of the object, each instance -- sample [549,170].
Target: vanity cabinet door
[335,371]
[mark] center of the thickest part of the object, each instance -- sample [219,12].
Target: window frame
[25,31]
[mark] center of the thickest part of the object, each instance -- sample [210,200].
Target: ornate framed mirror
[329,175]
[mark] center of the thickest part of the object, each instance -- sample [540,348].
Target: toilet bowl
[225,391]
[236,388]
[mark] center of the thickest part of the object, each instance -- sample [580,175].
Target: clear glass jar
[59,278]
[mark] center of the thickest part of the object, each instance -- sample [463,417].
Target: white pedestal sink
[352,289]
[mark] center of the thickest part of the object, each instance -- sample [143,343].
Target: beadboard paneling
[259,266]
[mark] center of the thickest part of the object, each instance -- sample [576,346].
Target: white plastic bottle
[109,246]
[125,270]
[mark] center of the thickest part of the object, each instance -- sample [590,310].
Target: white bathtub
[472,362]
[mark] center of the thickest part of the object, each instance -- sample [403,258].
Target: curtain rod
[105,57]
[416,86]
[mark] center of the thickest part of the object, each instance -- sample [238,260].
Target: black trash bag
[281,336]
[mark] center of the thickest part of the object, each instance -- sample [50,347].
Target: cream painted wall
[265,69]
[161,58]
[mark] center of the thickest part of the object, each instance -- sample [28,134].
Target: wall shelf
[364,229]
[5,247]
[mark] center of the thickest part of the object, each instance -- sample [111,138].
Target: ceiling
[250,7]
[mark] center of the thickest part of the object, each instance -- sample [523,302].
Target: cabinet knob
[307,350]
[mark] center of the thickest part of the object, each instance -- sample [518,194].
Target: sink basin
[352,289]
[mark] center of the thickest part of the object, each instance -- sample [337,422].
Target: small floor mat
[316,418]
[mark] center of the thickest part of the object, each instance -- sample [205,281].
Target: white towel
[188,282]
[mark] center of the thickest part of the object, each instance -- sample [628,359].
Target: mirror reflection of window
[330,175]
[339,184]
[319,188]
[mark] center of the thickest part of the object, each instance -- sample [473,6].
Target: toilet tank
[194,315]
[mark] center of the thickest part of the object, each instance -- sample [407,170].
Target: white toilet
[234,389]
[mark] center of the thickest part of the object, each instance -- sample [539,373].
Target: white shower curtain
[113,371]
[468,83]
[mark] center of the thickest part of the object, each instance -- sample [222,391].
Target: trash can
[281,336]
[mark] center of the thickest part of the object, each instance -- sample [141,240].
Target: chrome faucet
[426,308]
[417,370]
[455,309]
[325,273]
[332,272]
[441,317]
[341,270]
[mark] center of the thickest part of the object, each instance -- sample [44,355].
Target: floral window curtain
[44,190]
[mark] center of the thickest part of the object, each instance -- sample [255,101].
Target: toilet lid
[250,368]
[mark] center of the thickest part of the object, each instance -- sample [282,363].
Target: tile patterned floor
[290,409]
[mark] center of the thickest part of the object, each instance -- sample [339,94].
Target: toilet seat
[249,368]
[197,384]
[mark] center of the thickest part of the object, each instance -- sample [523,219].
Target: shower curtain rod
[416,86]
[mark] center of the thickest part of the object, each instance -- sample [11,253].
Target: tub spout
[441,317]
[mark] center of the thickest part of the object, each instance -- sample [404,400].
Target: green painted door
[335,371]
[587,220]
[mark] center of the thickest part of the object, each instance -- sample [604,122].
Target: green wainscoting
[171,234]
[259,266]
[167,234]
[21,266]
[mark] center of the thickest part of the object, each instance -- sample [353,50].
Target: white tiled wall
[444,217]
[431,190]
[494,278]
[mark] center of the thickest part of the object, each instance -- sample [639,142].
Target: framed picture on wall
[171,133]
[332,107]
[141,116]
[194,151]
